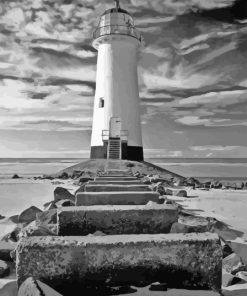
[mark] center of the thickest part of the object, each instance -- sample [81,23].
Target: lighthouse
[116,130]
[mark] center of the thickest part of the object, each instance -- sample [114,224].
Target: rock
[61,193]
[242,275]
[29,215]
[227,250]
[77,174]
[64,203]
[1,217]
[4,269]
[98,233]
[5,249]
[64,176]
[50,205]
[12,236]
[34,287]
[8,287]
[180,193]
[223,230]
[47,217]
[227,278]
[189,224]
[239,246]
[235,290]
[168,191]
[14,219]
[232,262]
[158,287]
[15,176]
[33,229]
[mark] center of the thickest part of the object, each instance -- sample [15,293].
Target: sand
[228,206]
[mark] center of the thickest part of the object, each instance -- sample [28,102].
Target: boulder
[12,236]
[232,262]
[235,290]
[223,230]
[239,246]
[4,269]
[189,224]
[34,229]
[34,287]
[29,215]
[47,217]
[168,191]
[61,193]
[5,249]
[64,176]
[64,203]
[227,278]
[1,217]
[227,250]
[50,205]
[242,275]
[180,193]
[15,176]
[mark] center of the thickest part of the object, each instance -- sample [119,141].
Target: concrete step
[115,198]
[107,187]
[116,171]
[106,178]
[72,263]
[116,182]
[116,219]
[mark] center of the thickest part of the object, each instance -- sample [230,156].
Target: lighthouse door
[115,127]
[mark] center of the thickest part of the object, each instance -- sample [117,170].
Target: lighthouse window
[101,103]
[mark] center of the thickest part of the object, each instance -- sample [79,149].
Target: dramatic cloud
[191,69]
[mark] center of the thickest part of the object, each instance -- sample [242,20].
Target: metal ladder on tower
[114,148]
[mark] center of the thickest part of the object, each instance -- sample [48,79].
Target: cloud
[213,148]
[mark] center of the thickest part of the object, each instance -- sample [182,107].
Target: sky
[192,76]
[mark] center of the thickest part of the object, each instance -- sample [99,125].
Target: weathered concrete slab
[107,178]
[116,219]
[115,198]
[116,182]
[63,263]
[112,187]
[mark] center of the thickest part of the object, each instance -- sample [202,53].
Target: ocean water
[227,168]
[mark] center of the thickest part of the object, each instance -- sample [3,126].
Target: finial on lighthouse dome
[115,23]
[117,4]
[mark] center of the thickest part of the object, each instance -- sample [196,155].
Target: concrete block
[116,219]
[65,263]
[116,182]
[112,187]
[115,198]
[106,178]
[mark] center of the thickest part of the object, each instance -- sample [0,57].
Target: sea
[217,168]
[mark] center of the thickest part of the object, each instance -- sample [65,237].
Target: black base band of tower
[128,152]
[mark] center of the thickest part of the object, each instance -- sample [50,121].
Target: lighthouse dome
[115,10]
[116,21]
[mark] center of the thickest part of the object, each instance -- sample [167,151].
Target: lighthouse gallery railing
[117,29]
[123,135]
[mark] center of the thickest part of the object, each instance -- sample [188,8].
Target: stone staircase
[114,238]
[114,149]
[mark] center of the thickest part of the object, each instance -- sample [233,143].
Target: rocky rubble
[34,222]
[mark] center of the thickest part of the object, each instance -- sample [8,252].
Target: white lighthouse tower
[116,132]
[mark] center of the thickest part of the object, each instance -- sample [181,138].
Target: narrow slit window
[101,103]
